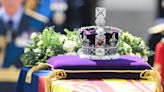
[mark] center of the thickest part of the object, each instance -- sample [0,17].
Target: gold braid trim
[34,69]
[144,74]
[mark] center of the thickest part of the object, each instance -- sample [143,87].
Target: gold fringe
[34,69]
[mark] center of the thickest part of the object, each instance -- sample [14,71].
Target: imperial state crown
[100,41]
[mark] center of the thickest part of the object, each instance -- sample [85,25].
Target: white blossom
[62,38]
[131,54]
[145,58]
[40,43]
[138,54]
[33,35]
[69,46]
[37,50]
[48,50]
[26,50]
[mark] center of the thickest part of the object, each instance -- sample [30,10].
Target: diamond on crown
[99,42]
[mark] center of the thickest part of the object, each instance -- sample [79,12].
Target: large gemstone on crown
[100,51]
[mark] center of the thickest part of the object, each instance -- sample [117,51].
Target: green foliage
[132,45]
[42,47]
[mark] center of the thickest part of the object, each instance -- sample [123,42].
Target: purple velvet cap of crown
[77,63]
[89,31]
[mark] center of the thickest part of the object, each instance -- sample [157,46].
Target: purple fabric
[77,63]
[89,32]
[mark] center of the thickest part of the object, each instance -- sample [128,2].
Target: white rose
[39,43]
[69,46]
[26,50]
[37,50]
[33,35]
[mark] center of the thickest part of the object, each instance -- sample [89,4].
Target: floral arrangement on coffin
[133,45]
[50,43]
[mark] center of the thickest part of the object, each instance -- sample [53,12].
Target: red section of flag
[41,84]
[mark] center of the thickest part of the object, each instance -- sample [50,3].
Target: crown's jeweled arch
[100,41]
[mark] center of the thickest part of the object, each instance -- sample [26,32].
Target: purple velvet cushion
[77,63]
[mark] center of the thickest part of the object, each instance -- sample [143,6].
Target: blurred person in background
[14,34]
[156,41]
[62,13]
[155,37]
[13,22]
[16,23]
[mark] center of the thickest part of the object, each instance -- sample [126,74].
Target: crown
[100,41]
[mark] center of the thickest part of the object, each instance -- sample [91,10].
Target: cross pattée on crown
[100,16]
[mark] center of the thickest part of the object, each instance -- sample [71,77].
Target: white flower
[62,38]
[69,46]
[131,54]
[48,50]
[138,54]
[40,43]
[37,50]
[145,58]
[26,50]
[33,35]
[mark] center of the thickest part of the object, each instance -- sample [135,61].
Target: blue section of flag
[33,87]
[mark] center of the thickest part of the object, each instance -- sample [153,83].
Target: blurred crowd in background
[19,18]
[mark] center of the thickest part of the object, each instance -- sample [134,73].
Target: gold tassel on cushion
[58,74]
[153,75]
[34,69]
